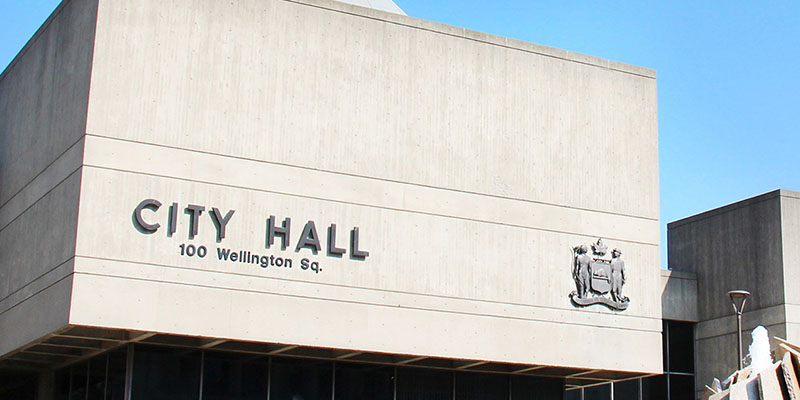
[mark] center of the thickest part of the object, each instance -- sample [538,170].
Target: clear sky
[728,78]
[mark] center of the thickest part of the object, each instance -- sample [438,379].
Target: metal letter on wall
[598,279]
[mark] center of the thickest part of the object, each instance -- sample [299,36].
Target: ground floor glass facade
[172,373]
[677,382]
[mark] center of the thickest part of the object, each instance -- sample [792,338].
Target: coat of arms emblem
[598,278]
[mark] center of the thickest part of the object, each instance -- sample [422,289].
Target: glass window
[654,388]
[18,385]
[77,390]
[364,381]
[574,394]
[424,384]
[664,344]
[681,386]
[232,376]
[681,347]
[97,378]
[531,388]
[115,383]
[602,392]
[477,386]
[300,379]
[626,389]
[62,384]
[161,373]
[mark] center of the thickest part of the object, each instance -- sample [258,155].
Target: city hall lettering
[147,214]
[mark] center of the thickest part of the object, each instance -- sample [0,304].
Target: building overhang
[74,344]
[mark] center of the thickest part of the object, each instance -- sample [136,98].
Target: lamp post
[739,298]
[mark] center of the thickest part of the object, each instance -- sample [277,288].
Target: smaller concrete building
[752,244]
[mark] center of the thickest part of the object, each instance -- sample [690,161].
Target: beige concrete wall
[379,95]
[43,98]
[471,164]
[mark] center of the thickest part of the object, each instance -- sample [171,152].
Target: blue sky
[728,78]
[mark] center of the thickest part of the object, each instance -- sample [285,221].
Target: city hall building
[309,199]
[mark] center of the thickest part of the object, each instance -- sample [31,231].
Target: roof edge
[487,38]
[733,206]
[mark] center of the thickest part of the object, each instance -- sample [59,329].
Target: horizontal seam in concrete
[55,160]
[37,278]
[34,294]
[356,287]
[607,67]
[40,198]
[367,303]
[697,339]
[679,277]
[371,177]
[779,307]
[365,205]
[759,310]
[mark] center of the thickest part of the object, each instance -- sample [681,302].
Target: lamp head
[738,298]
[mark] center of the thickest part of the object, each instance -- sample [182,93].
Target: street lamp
[739,298]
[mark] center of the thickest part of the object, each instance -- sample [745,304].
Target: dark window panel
[533,388]
[161,373]
[574,394]
[78,386]
[97,378]
[231,376]
[422,384]
[62,384]
[477,386]
[602,392]
[364,381]
[300,379]
[19,385]
[117,364]
[665,345]
[681,387]
[654,388]
[626,390]
[681,347]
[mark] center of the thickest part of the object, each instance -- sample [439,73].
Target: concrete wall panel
[44,95]
[41,314]
[460,268]
[299,84]
[733,247]
[790,229]
[41,239]
[471,164]
[679,296]
[169,307]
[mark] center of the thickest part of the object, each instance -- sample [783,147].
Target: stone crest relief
[598,277]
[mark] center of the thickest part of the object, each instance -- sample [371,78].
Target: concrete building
[311,198]
[753,245]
